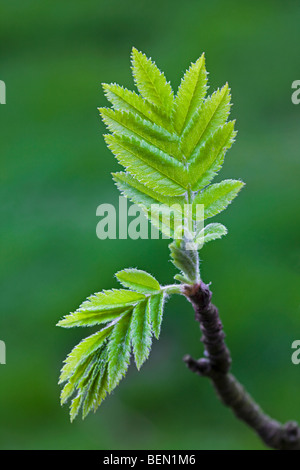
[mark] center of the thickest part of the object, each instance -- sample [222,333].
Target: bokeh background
[55,171]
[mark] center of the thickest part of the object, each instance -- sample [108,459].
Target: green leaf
[171,150]
[168,219]
[149,165]
[190,94]
[126,100]
[213,150]
[211,232]
[140,332]
[100,308]
[155,312]
[119,351]
[73,381]
[141,194]
[87,318]
[132,125]
[151,83]
[96,388]
[102,389]
[75,406]
[110,299]
[209,174]
[82,351]
[205,121]
[217,197]
[138,280]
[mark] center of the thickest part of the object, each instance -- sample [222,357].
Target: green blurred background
[55,171]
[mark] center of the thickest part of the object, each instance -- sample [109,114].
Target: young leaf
[190,94]
[97,386]
[211,232]
[101,308]
[209,174]
[217,197]
[171,150]
[132,125]
[138,280]
[212,151]
[102,388]
[126,100]
[141,194]
[151,83]
[206,120]
[119,351]
[110,299]
[185,260]
[82,351]
[155,311]
[75,406]
[150,166]
[140,332]
[73,381]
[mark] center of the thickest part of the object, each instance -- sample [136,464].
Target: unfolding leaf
[211,232]
[132,125]
[82,351]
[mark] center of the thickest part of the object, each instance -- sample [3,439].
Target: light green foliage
[138,280]
[129,319]
[151,83]
[155,307]
[141,333]
[205,121]
[191,93]
[211,232]
[216,197]
[171,148]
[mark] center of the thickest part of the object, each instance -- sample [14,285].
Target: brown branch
[216,365]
